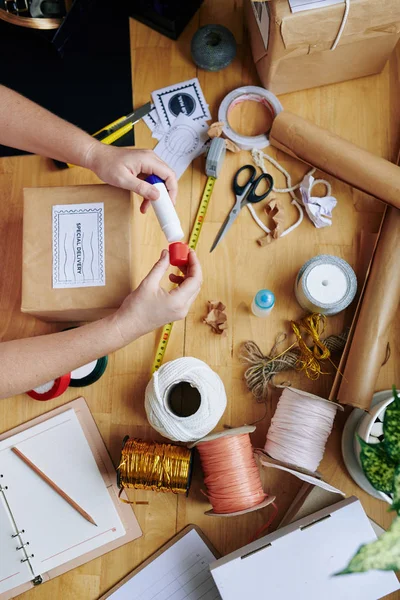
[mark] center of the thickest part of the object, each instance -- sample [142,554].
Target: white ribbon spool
[300,429]
[325,284]
[256,94]
[212,400]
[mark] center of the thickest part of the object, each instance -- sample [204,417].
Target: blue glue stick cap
[154,179]
[264,299]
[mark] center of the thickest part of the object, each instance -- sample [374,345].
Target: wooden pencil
[54,486]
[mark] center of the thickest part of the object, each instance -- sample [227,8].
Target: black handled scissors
[245,194]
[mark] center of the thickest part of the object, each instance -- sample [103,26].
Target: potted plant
[381,465]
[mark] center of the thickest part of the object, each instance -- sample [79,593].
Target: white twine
[342,25]
[258,158]
[300,429]
[212,403]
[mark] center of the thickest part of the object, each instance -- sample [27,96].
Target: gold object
[309,360]
[155,466]
[29,22]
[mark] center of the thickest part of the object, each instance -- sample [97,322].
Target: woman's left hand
[127,168]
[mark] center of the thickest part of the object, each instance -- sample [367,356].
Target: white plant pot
[370,429]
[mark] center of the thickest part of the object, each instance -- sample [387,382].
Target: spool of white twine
[300,429]
[325,284]
[211,407]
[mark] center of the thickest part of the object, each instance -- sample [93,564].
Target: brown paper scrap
[215,130]
[216,317]
[231,146]
[275,210]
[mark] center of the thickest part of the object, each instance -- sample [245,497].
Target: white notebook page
[12,571]
[180,573]
[56,532]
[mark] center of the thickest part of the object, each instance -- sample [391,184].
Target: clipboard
[108,473]
[158,553]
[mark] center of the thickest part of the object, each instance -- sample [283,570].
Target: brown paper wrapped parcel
[76,262]
[292,51]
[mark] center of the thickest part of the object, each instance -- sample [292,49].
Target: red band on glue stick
[59,387]
[178,254]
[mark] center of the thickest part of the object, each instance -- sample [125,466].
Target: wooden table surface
[365,111]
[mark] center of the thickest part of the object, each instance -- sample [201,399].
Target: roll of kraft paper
[376,310]
[334,155]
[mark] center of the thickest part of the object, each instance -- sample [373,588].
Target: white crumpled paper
[319,209]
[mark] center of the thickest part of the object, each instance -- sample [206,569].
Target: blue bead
[213,47]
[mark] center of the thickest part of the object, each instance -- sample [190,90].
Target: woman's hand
[126,168]
[150,306]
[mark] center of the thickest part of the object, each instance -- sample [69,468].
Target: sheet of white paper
[261,13]
[12,571]
[303,476]
[184,98]
[318,209]
[180,573]
[152,119]
[301,564]
[299,5]
[78,245]
[182,143]
[56,532]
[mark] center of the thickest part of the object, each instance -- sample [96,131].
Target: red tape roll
[58,388]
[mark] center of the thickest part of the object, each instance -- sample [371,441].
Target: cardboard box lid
[298,561]
[38,293]
[316,30]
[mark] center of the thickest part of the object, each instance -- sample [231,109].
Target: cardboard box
[75,304]
[311,499]
[299,560]
[292,50]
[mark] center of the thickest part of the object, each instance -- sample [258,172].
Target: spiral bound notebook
[41,535]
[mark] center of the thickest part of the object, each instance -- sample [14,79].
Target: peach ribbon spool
[231,473]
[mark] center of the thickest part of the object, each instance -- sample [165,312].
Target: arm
[25,364]
[28,126]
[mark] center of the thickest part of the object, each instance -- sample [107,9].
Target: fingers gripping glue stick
[169,222]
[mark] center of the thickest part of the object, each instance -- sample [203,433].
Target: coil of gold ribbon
[155,466]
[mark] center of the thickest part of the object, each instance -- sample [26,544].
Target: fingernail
[153,195]
[164,253]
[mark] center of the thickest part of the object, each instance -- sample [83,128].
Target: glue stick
[165,211]
[263,303]
[169,223]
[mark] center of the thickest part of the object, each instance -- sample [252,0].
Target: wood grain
[365,111]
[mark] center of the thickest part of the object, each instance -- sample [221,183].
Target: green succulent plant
[381,466]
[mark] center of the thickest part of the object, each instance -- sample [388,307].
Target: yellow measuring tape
[194,238]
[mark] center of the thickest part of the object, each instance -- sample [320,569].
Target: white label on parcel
[300,5]
[261,13]
[78,245]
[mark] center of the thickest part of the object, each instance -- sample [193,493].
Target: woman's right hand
[150,306]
